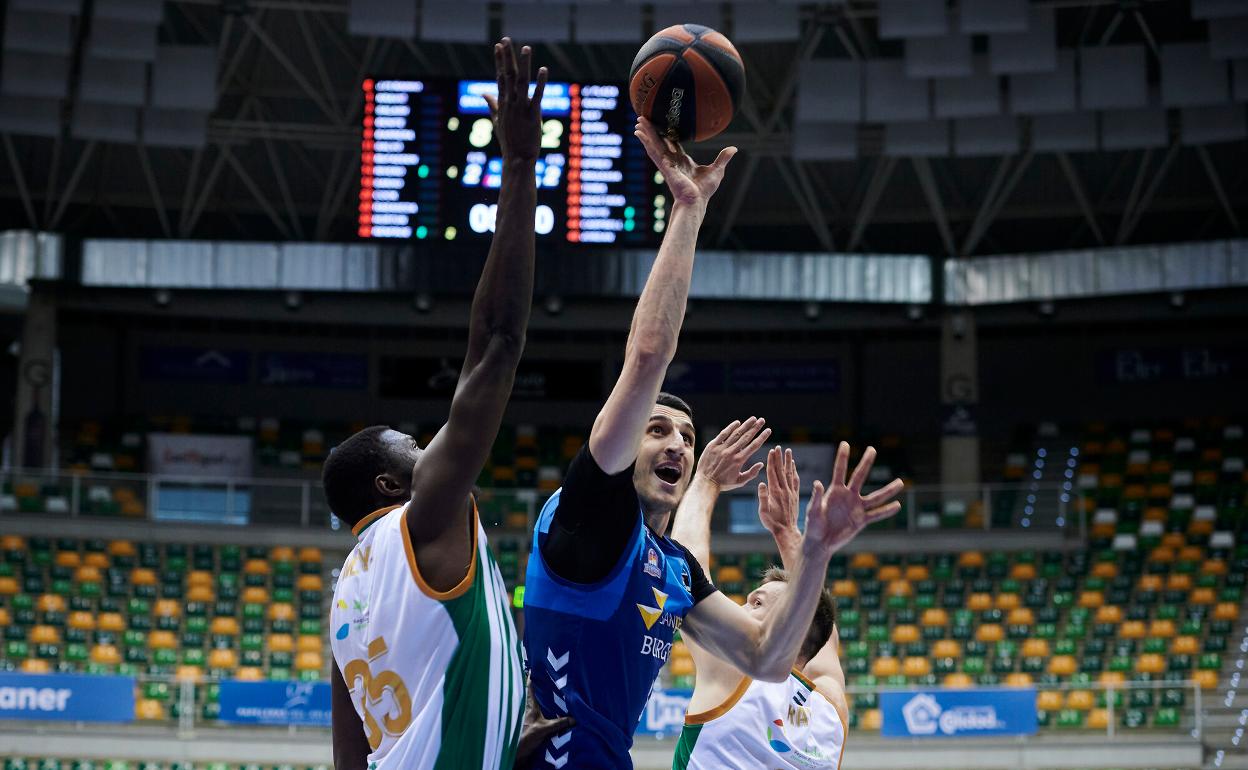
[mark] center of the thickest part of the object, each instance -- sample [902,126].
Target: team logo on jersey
[685,580]
[651,615]
[652,565]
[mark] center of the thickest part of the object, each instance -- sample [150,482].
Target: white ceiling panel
[1032,51]
[38,32]
[825,141]
[1239,74]
[1038,93]
[453,22]
[760,23]
[118,39]
[30,117]
[1189,78]
[1209,125]
[976,96]
[938,57]
[174,128]
[707,14]
[1068,132]
[974,137]
[923,139]
[1113,77]
[35,74]
[1218,9]
[829,90]
[612,23]
[984,16]
[1134,129]
[105,123]
[1228,38]
[109,81]
[382,18]
[185,77]
[145,11]
[890,95]
[67,7]
[538,23]
[913,18]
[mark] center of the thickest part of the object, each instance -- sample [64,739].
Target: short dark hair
[674,402]
[825,616]
[349,473]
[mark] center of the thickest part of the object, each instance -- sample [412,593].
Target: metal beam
[256,192]
[1215,179]
[54,173]
[739,192]
[923,170]
[67,191]
[1137,187]
[818,220]
[980,227]
[875,189]
[318,61]
[990,195]
[1147,32]
[280,56]
[146,165]
[20,178]
[1128,227]
[1081,196]
[283,186]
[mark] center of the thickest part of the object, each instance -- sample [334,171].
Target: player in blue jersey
[605,589]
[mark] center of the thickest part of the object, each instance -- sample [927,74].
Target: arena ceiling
[282,142]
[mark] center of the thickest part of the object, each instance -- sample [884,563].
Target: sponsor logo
[651,615]
[647,86]
[655,647]
[673,111]
[924,716]
[34,698]
[685,580]
[651,567]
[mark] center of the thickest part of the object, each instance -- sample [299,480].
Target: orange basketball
[688,80]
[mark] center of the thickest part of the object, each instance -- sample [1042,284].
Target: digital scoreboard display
[431,166]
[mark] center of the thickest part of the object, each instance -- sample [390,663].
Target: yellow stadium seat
[223,658]
[934,616]
[1007,602]
[224,626]
[281,643]
[69,559]
[979,602]
[885,667]
[80,620]
[308,661]
[200,594]
[281,553]
[863,561]
[682,666]
[199,577]
[142,576]
[281,611]
[1206,680]
[917,572]
[36,666]
[162,640]
[256,567]
[1098,719]
[1106,570]
[1150,583]
[1091,599]
[110,621]
[1018,679]
[1178,581]
[310,554]
[1105,529]
[947,648]
[41,634]
[844,588]
[188,673]
[871,720]
[1173,540]
[1132,629]
[1185,645]
[12,543]
[1225,611]
[1201,596]
[5,617]
[1150,663]
[255,595]
[888,573]
[106,654]
[167,608]
[1108,678]
[916,666]
[1048,700]
[1023,571]
[731,574]
[1020,616]
[249,674]
[904,634]
[1035,648]
[147,708]
[8,586]
[957,679]
[1191,553]
[309,643]
[971,559]
[1109,613]
[1203,527]
[121,548]
[1062,665]
[87,574]
[1163,629]
[96,559]
[899,587]
[1161,555]
[989,632]
[309,583]
[1135,492]
[51,603]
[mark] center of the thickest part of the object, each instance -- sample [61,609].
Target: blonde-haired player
[734,721]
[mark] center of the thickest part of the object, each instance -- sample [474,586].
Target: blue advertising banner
[665,713]
[276,703]
[69,697]
[784,377]
[314,370]
[958,713]
[194,364]
[1172,364]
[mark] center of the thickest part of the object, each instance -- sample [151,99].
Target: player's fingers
[883,512]
[758,442]
[744,429]
[492,103]
[817,500]
[883,494]
[864,468]
[725,155]
[524,72]
[728,432]
[750,474]
[773,471]
[536,103]
[841,464]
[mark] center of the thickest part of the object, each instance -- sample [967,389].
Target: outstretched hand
[778,495]
[722,459]
[689,182]
[517,116]
[839,512]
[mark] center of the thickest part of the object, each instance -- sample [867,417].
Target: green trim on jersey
[467,699]
[684,747]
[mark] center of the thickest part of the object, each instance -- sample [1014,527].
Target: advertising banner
[276,703]
[665,713]
[182,454]
[343,371]
[941,713]
[194,365]
[68,697]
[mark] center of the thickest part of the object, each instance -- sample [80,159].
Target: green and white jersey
[784,725]
[435,676]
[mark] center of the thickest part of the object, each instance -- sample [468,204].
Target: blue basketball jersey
[595,649]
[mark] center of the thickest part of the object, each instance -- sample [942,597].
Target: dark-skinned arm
[351,747]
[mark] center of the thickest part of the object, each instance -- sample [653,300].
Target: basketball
[688,80]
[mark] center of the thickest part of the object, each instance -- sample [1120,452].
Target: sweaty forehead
[675,416]
[771,588]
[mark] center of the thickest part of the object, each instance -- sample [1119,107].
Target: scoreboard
[431,167]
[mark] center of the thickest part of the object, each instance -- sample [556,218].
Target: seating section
[192,612]
[50,763]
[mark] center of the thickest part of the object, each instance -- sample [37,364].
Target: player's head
[665,458]
[370,470]
[775,583]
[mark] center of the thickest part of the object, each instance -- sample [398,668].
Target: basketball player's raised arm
[616,435]
[351,747]
[444,473]
[766,650]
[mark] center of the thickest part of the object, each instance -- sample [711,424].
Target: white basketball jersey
[435,676]
[765,725]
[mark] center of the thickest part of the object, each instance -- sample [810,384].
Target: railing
[301,503]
